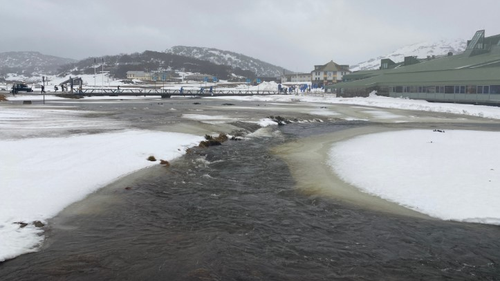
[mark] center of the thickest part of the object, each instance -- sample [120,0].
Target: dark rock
[165,163]
[209,143]
[38,224]
[151,158]
[21,224]
[220,138]
[280,120]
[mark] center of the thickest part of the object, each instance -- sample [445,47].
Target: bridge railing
[178,92]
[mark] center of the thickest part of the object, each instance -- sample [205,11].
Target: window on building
[459,90]
[486,89]
[495,89]
[449,89]
[482,89]
[398,89]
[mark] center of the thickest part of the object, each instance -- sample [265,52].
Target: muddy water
[308,160]
[243,211]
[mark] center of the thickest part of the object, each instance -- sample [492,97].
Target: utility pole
[102,72]
[95,72]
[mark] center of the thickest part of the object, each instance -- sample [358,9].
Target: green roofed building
[470,77]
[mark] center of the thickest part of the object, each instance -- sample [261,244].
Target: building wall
[327,77]
[140,75]
[301,77]
[493,99]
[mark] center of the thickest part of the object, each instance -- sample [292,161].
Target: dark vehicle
[16,88]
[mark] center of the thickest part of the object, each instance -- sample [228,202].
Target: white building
[328,74]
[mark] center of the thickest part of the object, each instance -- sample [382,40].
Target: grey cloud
[295,34]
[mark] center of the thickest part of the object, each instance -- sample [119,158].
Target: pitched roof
[331,66]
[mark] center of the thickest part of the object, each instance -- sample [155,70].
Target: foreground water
[233,212]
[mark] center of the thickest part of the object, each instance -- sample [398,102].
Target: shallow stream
[236,212]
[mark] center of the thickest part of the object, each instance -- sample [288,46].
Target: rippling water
[231,212]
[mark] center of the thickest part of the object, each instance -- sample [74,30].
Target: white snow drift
[451,175]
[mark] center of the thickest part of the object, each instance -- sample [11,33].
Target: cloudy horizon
[294,34]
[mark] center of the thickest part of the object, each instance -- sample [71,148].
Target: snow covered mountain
[421,50]
[30,63]
[118,65]
[221,57]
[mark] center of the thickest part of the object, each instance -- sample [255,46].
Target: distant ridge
[233,59]
[118,65]
[421,50]
[30,63]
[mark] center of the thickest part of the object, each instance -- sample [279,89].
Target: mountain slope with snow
[30,63]
[221,57]
[420,50]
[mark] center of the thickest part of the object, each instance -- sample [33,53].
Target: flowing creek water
[256,209]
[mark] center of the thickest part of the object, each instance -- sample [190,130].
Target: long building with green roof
[470,77]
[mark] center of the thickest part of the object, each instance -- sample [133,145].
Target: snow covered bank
[49,122]
[52,98]
[40,176]
[453,175]
[210,119]
[382,102]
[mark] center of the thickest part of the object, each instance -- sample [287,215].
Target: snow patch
[453,175]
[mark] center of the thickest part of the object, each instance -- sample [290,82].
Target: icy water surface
[233,212]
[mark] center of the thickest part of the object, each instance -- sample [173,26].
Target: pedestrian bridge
[167,93]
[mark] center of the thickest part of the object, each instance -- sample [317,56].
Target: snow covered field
[40,176]
[381,102]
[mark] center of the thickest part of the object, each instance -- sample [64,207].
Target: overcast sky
[295,34]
